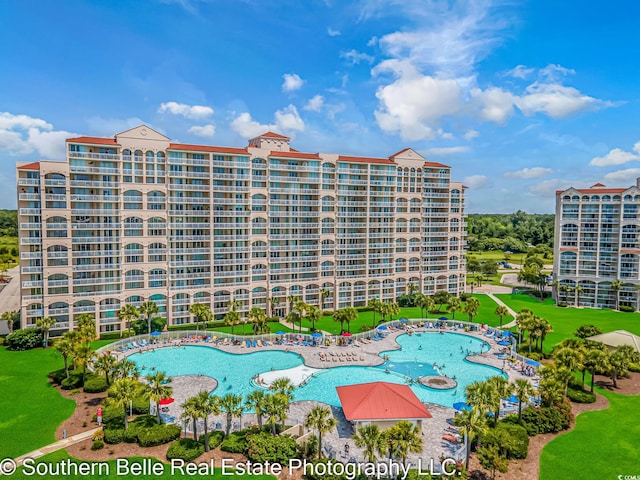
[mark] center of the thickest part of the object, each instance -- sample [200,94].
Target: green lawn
[238,329]
[603,444]
[565,321]
[30,408]
[63,456]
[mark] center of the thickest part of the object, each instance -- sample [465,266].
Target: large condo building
[137,217]
[597,246]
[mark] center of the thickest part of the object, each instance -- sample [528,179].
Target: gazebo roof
[617,338]
[380,401]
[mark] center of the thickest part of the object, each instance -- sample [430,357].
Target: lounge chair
[254,344]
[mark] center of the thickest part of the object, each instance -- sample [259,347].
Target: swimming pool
[417,356]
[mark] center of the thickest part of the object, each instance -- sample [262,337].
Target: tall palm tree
[127,315]
[11,318]
[471,307]
[503,389]
[273,302]
[424,303]
[205,405]
[404,438]
[292,299]
[158,389]
[256,401]
[191,412]
[596,361]
[126,369]
[472,423]
[371,439]
[339,316]
[324,293]
[276,406]
[564,289]
[523,390]
[454,305]
[570,358]
[232,317]
[578,290]
[148,309]
[257,316]
[121,393]
[320,418]
[351,314]
[231,404]
[482,395]
[105,365]
[86,328]
[374,305]
[393,309]
[501,311]
[83,354]
[66,346]
[616,286]
[201,312]
[284,386]
[45,324]
[314,314]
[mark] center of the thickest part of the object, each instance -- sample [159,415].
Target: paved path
[509,309]
[57,445]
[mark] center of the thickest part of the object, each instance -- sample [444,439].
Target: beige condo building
[137,217]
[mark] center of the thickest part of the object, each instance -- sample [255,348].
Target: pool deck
[320,357]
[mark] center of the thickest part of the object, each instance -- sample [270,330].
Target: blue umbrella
[403,320]
[533,363]
[155,334]
[460,406]
[316,334]
[281,333]
[507,333]
[443,318]
[382,327]
[504,343]
[513,399]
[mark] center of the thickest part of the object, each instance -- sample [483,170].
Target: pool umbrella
[504,343]
[443,318]
[166,401]
[513,399]
[281,333]
[382,327]
[155,334]
[346,334]
[316,334]
[460,406]
[507,333]
[533,363]
[403,320]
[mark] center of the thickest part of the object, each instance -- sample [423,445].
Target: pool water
[421,354]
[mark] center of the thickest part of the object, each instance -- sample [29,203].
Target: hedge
[235,442]
[159,434]
[578,395]
[263,447]
[113,435]
[626,308]
[95,384]
[185,449]
[26,339]
[215,438]
[511,439]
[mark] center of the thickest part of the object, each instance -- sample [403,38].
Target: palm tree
[596,361]
[158,389]
[201,312]
[191,412]
[256,316]
[276,406]
[232,317]
[324,293]
[231,404]
[616,286]
[564,289]
[11,318]
[371,439]
[350,314]
[543,328]
[501,311]
[554,290]
[127,315]
[482,395]
[86,328]
[454,305]
[314,314]
[283,386]
[425,303]
[205,405]
[393,309]
[149,309]
[273,302]
[503,389]
[523,390]
[105,365]
[404,437]
[570,358]
[66,346]
[374,305]
[320,418]
[83,354]
[293,317]
[472,423]
[578,290]
[471,307]
[126,369]
[552,384]
[121,393]
[339,316]
[292,299]
[45,324]
[256,401]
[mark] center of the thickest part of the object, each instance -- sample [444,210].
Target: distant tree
[501,311]
[455,305]
[440,298]
[45,324]
[149,309]
[471,307]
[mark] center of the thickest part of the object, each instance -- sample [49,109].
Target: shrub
[57,376]
[74,381]
[185,449]
[130,435]
[158,435]
[97,445]
[215,438]
[634,367]
[512,440]
[562,304]
[113,435]
[140,406]
[263,447]
[464,296]
[309,448]
[145,421]
[112,417]
[235,442]
[626,308]
[578,395]
[95,384]
[546,419]
[312,475]
[24,339]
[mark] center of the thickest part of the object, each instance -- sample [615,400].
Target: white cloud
[246,126]
[554,71]
[476,181]
[356,57]
[292,82]
[187,111]
[494,104]
[623,178]
[332,33]
[373,41]
[437,151]
[617,156]
[208,130]
[533,172]
[471,134]
[24,135]
[288,119]
[315,104]
[556,100]
[547,188]
[520,71]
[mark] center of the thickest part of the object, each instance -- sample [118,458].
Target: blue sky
[520,98]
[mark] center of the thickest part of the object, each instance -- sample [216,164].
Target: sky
[520,98]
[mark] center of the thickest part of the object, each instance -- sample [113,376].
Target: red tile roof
[30,166]
[399,153]
[207,148]
[93,140]
[273,135]
[295,154]
[435,164]
[343,158]
[596,190]
[380,401]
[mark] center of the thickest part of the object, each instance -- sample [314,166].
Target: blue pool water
[417,356]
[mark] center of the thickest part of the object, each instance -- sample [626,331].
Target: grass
[31,409]
[237,330]
[9,243]
[603,443]
[63,456]
[565,321]
[497,256]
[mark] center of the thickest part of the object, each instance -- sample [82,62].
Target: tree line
[510,232]
[8,223]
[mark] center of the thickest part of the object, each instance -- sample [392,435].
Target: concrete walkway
[57,445]
[512,312]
